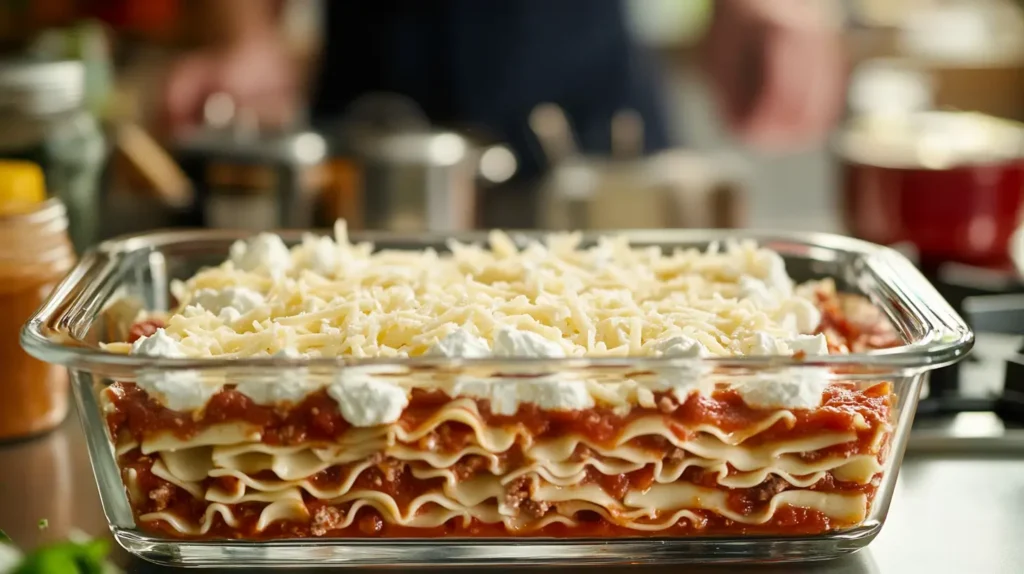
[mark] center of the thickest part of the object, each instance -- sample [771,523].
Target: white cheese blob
[290,389]
[230,303]
[771,268]
[507,394]
[460,344]
[159,344]
[761,344]
[678,346]
[320,254]
[265,251]
[799,388]
[798,315]
[366,401]
[515,343]
[755,290]
[809,344]
[176,390]
[682,380]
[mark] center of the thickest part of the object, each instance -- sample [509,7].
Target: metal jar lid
[41,87]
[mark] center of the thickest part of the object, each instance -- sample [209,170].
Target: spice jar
[35,254]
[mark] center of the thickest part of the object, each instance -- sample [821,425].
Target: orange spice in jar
[35,254]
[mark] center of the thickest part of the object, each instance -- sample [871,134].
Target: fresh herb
[44,524]
[83,557]
[67,558]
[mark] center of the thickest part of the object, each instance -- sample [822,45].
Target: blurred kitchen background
[100,133]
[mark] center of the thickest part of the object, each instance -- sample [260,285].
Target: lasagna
[499,432]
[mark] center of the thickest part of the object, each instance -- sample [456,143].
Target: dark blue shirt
[487,63]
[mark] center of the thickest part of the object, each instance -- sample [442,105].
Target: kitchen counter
[948,515]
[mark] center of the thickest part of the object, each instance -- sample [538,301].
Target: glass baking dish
[104,294]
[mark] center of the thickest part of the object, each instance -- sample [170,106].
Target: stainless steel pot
[426,180]
[268,182]
[416,177]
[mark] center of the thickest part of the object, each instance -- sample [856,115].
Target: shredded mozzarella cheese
[333,298]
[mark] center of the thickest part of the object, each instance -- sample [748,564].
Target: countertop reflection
[930,525]
[859,563]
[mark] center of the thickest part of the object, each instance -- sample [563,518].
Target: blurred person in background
[776,66]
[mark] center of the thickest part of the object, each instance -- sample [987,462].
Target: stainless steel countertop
[949,514]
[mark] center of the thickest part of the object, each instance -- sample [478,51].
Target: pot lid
[41,87]
[931,140]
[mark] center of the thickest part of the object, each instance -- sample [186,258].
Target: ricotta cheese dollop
[800,388]
[177,390]
[516,343]
[265,251]
[460,344]
[505,395]
[230,303]
[366,401]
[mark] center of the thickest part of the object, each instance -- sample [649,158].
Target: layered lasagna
[498,430]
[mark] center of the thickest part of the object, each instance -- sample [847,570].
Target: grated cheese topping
[328,298]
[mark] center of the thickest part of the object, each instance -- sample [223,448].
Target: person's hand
[778,69]
[257,74]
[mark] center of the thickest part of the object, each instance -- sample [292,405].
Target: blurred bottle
[35,253]
[45,122]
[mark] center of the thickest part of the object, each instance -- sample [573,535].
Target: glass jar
[35,254]
[44,121]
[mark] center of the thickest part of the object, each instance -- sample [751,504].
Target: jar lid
[41,87]
[22,188]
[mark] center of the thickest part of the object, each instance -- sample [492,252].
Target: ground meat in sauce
[325,519]
[161,496]
[535,508]
[391,469]
[469,466]
[517,493]
[767,490]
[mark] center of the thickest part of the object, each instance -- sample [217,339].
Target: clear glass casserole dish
[776,485]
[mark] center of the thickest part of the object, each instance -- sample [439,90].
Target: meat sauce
[317,418]
[393,477]
[787,520]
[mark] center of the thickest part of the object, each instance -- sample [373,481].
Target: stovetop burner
[990,302]
[978,403]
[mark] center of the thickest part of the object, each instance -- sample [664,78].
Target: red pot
[951,184]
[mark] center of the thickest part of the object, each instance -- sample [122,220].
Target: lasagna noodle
[481,497]
[298,462]
[557,472]
[189,468]
[657,508]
